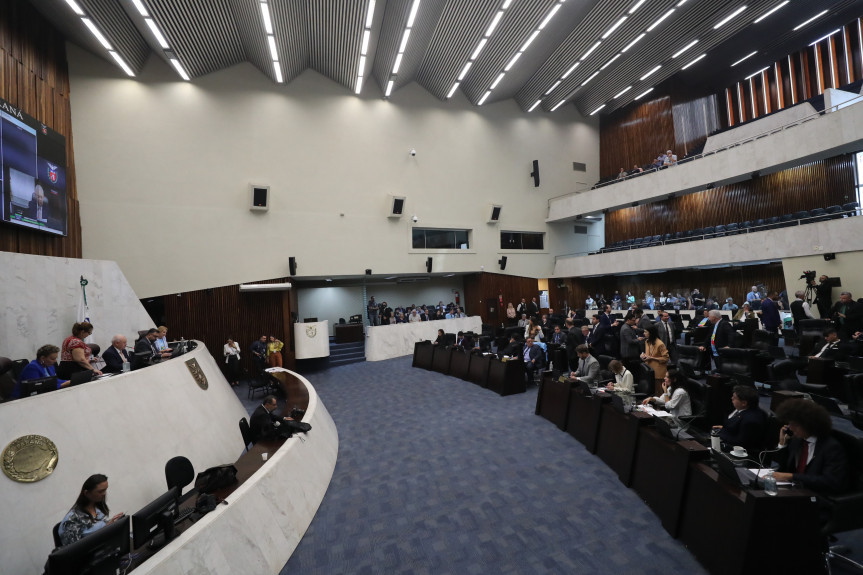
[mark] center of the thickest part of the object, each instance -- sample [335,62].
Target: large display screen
[33,176]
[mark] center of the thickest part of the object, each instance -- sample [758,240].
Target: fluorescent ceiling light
[535,104]
[508,3]
[746,57]
[413,14]
[75,8]
[589,51]
[694,61]
[95,31]
[370,15]
[548,18]
[597,110]
[278,70]
[117,58]
[614,27]
[398,63]
[464,71]
[512,62]
[819,15]
[157,33]
[268,22]
[631,44]
[179,68]
[684,49]
[650,73]
[367,34]
[728,18]
[484,96]
[661,18]
[558,105]
[824,37]
[592,76]
[362,66]
[637,6]
[622,92]
[529,41]
[271,40]
[497,81]
[681,3]
[140,6]
[359,87]
[405,37]
[550,90]
[389,88]
[607,64]
[568,72]
[479,48]
[774,9]
[452,90]
[756,73]
[494,23]
[643,94]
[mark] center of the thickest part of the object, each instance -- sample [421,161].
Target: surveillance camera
[415,219]
[413,152]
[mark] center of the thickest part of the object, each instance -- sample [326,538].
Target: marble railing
[389,341]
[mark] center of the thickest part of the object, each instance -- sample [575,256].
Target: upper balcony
[780,141]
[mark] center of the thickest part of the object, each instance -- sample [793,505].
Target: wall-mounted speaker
[397,207]
[368,271]
[829,257]
[429,264]
[502,262]
[292,265]
[494,216]
[259,198]
[535,173]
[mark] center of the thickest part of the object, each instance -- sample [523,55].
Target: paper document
[762,472]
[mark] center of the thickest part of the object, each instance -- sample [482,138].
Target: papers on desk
[276,369]
[760,473]
[655,412]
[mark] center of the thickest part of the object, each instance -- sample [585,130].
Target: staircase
[345,353]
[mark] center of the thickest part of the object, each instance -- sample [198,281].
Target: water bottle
[770,484]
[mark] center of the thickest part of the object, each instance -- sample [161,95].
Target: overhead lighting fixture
[389,89]
[694,61]
[614,27]
[622,92]
[824,37]
[659,21]
[637,6]
[268,21]
[490,30]
[631,44]
[405,37]
[758,72]
[817,16]
[607,64]
[597,110]
[119,59]
[278,70]
[535,104]
[157,33]
[684,49]
[398,64]
[591,77]
[479,48]
[95,31]
[452,90]
[746,57]
[142,10]
[367,35]
[179,68]
[75,8]
[529,41]
[681,3]
[464,71]
[550,90]
[370,15]
[769,12]
[643,78]
[512,62]
[558,105]
[484,97]
[414,8]
[497,81]
[274,53]
[590,51]
[548,18]
[643,94]
[364,45]
[728,18]
[568,72]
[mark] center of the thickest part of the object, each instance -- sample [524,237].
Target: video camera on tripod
[809,275]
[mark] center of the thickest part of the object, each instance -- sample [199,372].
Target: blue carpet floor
[436,475]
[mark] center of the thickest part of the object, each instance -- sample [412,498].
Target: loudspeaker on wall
[292,265]
[494,216]
[535,173]
[429,264]
[828,257]
[397,206]
[502,262]
[259,198]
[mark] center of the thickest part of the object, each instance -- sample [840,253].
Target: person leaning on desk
[264,423]
[675,395]
[42,366]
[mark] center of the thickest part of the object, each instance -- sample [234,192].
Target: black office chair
[691,361]
[817,214]
[644,381]
[179,473]
[763,340]
[850,208]
[833,212]
[734,361]
[246,432]
[56,533]
[845,512]
[261,383]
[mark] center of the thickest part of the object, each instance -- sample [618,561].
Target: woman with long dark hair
[655,355]
[675,395]
[89,513]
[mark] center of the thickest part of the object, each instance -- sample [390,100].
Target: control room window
[438,239]
[522,241]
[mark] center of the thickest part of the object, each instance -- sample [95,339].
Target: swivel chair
[246,432]
[844,512]
[179,473]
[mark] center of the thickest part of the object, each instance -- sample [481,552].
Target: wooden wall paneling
[857,48]
[483,290]
[635,135]
[742,110]
[779,85]
[792,80]
[808,75]
[847,67]
[835,58]
[729,108]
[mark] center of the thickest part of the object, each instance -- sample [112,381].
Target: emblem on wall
[311,330]
[30,458]
[197,373]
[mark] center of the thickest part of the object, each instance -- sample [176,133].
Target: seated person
[745,312]
[116,355]
[622,174]
[89,513]
[675,395]
[624,382]
[147,345]
[523,321]
[533,358]
[746,425]
[807,454]
[558,337]
[636,169]
[512,349]
[468,342]
[441,338]
[42,366]
[264,423]
[729,305]
[831,348]
[588,367]
[162,339]
[38,208]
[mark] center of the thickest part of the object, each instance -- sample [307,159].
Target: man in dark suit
[116,355]
[558,337]
[746,425]
[770,313]
[38,208]
[831,348]
[630,342]
[265,424]
[845,316]
[145,350]
[824,297]
[533,358]
[532,308]
[512,349]
[808,455]
[722,334]
[597,335]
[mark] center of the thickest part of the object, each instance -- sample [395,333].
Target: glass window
[437,239]
[521,240]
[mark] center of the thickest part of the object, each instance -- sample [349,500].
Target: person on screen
[38,208]
[42,366]
[89,513]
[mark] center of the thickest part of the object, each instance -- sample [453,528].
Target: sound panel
[259,198]
[494,216]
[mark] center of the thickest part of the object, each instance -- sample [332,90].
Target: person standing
[373,312]
[655,355]
[75,354]
[274,352]
[259,353]
[824,297]
[232,362]
[800,310]
[770,313]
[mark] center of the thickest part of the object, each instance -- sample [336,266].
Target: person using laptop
[745,426]
[675,395]
[42,366]
[116,355]
[264,423]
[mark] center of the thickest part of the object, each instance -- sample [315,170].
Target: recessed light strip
[746,57]
[622,92]
[756,73]
[769,12]
[364,46]
[821,39]
[267,20]
[94,30]
[684,49]
[660,20]
[694,61]
[817,16]
[728,18]
[643,94]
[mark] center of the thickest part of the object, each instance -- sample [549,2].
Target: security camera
[415,219]
[413,152]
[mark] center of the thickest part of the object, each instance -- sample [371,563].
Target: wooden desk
[348,332]
[660,473]
[478,369]
[423,354]
[552,400]
[719,404]
[731,530]
[459,364]
[582,421]
[506,377]
[618,439]
[440,360]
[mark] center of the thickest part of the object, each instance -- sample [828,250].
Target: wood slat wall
[819,184]
[482,290]
[34,77]
[720,283]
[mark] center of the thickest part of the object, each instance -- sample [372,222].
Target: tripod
[810,294]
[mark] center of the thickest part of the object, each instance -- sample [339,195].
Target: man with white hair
[800,309]
[116,355]
[670,159]
[722,334]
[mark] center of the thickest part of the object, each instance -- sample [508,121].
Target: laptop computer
[728,468]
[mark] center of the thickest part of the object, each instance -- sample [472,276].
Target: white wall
[40,297]
[848,267]
[163,168]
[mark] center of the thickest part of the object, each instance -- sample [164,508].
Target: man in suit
[512,349]
[597,335]
[145,350]
[265,424]
[630,342]
[588,366]
[746,425]
[558,337]
[38,208]
[521,308]
[533,358]
[824,297]
[532,308]
[800,310]
[116,355]
[666,333]
[722,334]
[770,313]
[808,455]
[831,348]
[844,316]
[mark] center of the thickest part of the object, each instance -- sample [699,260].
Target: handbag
[216,478]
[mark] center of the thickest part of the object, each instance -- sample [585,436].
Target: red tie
[804,455]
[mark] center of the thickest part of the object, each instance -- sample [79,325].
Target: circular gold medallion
[30,458]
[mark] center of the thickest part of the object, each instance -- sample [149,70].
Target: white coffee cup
[264,456]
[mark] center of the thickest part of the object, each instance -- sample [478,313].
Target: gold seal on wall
[197,373]
[311,330]
[30,458]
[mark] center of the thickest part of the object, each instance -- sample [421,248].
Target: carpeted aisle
[436,475]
